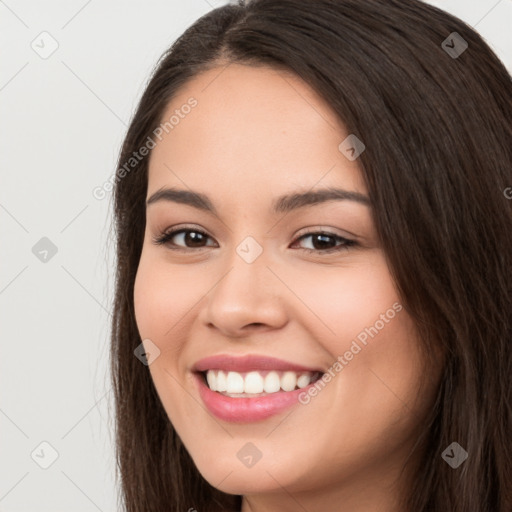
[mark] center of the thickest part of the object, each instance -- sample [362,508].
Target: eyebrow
[282,204]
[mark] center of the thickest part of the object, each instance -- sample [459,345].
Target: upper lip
[247,363]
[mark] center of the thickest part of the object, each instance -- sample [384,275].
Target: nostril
[256,324]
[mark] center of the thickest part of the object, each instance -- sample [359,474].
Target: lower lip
[246,410]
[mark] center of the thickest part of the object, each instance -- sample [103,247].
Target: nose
[248,297]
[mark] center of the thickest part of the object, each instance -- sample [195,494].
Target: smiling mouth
[257,383]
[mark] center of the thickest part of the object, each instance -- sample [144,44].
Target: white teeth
[234,383]
[256,382]
[222,384]
[288,381]
[272,382]
[212,380]
[302,381]
[253,383]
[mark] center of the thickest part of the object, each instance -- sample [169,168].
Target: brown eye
[324,242]
[191,238]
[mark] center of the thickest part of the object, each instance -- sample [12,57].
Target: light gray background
[63,118]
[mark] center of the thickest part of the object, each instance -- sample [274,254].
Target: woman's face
[262,282]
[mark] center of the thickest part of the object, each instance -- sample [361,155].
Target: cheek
[161,298]
[346,300]
[161,303]
[147,299]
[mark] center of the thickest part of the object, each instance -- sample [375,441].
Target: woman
[313,301]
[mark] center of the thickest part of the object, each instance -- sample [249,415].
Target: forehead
[252,129]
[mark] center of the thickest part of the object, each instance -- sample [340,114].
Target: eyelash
[165,238]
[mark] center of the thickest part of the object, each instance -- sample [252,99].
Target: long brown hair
[437,127]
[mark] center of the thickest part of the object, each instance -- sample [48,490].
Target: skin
[257,133]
